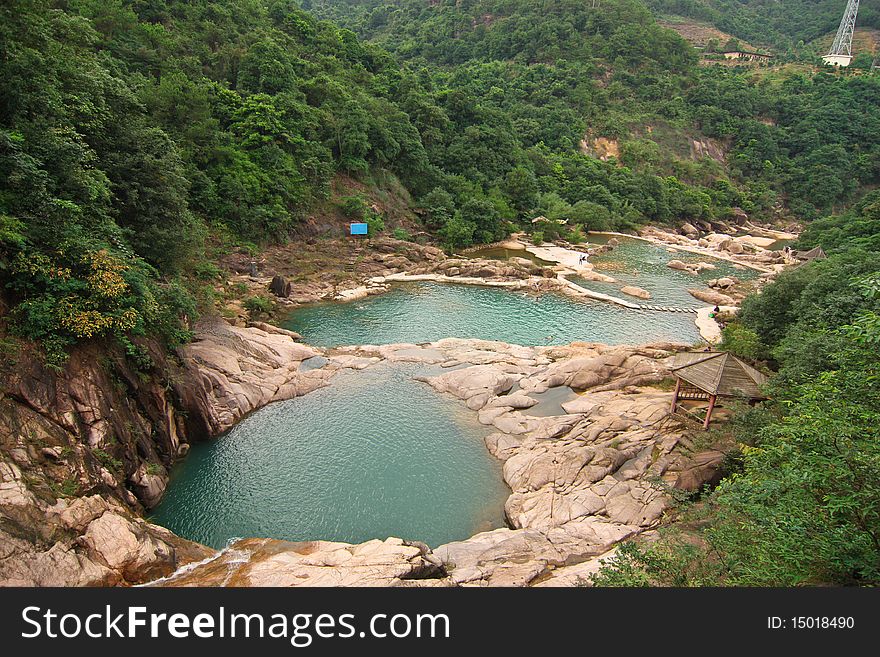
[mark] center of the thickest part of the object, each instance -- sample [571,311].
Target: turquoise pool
[425,312]
[375,454]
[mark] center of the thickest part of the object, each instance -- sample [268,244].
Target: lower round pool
[375,454]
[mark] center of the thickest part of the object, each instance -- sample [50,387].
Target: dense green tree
[457,232]
[439,206]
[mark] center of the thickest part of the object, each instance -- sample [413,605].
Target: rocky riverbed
[580,482]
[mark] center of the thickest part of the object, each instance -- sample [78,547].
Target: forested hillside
[132,132]
[771,23]
[559,68]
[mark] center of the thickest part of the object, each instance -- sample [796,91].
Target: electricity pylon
[841,50]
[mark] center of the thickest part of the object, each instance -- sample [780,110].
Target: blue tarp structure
[359,229]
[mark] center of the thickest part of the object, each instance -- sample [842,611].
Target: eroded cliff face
[85,451]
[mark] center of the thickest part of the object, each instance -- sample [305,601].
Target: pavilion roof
[719,373]
[816,253]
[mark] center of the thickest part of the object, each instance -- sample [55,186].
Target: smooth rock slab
[269,562]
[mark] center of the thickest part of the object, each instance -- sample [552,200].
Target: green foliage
[673,562]
[69,487]
[206,271]
[457,232]
[576,235]
[743,342]
[259,304]
[484,216]
[402,234]
[375,223]
[107,460]
[357,209]
[354,207]
[439,206]
[782,134]
[859,227]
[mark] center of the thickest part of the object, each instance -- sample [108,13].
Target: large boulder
[713,297]
[475,385]
[634,291]
[738,216]
[724,282]
[704,468]
[232,371]
[280,287]
[689,229]
[150,486]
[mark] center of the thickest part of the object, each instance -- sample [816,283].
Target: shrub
[375,223]
[258,304]
[743,342]
[206,271]
[576,235]
[354,207]
[81,292]
[107,460]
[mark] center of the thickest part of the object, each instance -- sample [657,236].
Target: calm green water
[640,263]
[373,455]
[425,312]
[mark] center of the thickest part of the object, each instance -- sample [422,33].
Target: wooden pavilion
[710,375]
[815,253]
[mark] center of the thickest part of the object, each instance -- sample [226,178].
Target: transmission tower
[841,50]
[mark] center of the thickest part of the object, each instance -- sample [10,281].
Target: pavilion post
[675,395]
[709,410]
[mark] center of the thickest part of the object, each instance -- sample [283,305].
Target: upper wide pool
[373,455]
[426,312]
[643,264]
